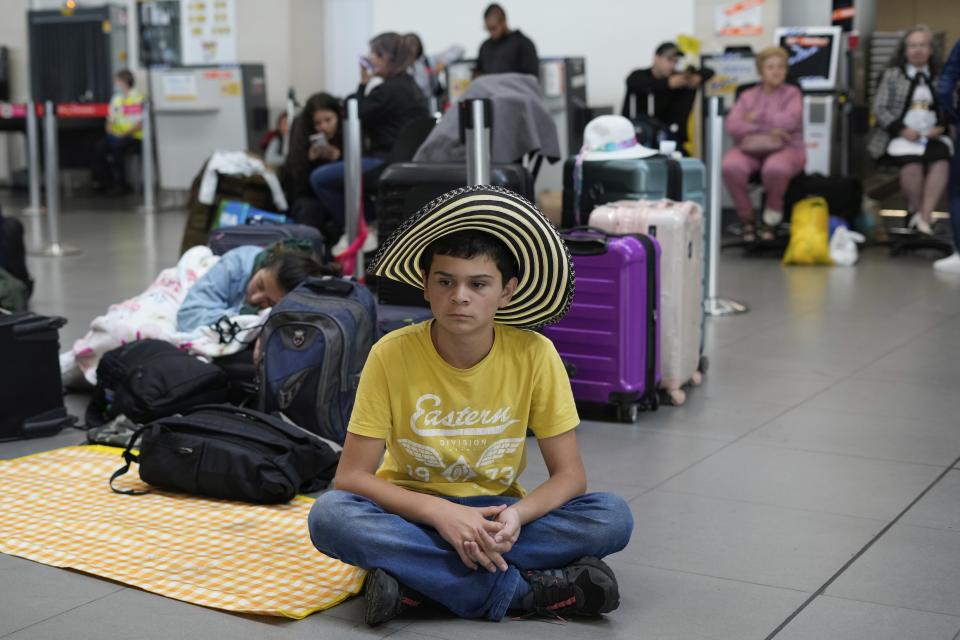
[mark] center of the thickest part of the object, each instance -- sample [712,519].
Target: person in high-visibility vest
[124,135]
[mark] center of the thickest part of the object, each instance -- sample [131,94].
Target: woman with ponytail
[383,113]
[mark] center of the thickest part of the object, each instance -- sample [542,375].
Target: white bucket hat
[612,138]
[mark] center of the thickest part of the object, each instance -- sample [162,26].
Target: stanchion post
[54,249]
[475,123]
[146,153]
[714,305]
[33,161]
[352,176]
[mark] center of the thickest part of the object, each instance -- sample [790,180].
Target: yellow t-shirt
[461,432]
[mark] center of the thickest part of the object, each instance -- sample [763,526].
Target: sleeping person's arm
[221,291]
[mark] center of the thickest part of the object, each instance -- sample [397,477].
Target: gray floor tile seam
[849,563]
[730,443]
[60,613]
[772,505]
[765,585]
[763,329]
[424,634]
[778,445]
[818,309]
[927,527]
[903,378]
[667,433]
[888,605]
[903,344]
[900,344]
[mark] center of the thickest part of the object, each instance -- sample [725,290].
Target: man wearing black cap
[672,92]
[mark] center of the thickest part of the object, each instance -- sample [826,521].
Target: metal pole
[33,161]
[713,305]
[478,144]
[52,164]
[352,176]
[291,114]
[146,154]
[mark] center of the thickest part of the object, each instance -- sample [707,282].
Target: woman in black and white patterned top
[910,131]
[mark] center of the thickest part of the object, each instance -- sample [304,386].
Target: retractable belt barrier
[51,113]
[714,305]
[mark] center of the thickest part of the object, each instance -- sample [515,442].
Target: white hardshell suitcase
[678,227]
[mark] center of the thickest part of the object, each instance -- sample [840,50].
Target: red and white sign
[743,18]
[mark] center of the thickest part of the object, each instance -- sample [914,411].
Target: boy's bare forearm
[409,505]
[558,490]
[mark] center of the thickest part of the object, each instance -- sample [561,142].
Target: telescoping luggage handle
[586,241]
[476,123]
[36,324]
[589,241]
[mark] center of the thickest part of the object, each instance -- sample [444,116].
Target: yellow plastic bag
[809,233]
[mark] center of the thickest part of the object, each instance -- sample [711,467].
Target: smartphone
[318,140]
[366,63]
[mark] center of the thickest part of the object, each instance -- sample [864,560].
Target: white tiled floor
[827,410]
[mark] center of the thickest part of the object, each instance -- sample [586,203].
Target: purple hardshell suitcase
[611,336]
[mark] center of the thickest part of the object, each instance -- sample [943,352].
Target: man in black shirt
[505,51]
[673,93]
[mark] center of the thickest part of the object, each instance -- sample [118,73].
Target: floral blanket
[153,314]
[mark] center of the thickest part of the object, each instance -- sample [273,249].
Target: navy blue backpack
[315,343]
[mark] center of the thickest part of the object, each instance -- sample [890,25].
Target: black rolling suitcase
[31,395]
[261,235]
[406,186]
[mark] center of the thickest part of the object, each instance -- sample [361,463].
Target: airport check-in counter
[199,110]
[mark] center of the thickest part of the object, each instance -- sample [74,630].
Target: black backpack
[226,452]
[844,194]
[150,379]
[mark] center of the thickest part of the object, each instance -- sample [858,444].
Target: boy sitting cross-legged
[443,518]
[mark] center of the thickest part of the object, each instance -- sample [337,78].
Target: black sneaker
[585,588]
[387,598]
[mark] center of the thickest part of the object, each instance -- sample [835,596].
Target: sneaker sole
[611,590]
[382,598]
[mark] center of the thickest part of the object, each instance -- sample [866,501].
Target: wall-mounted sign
[743,18]
[208,31]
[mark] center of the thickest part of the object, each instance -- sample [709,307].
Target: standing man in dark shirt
[505,51]
[673,92]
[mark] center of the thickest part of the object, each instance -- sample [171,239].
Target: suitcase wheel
[627,412]
[673,397]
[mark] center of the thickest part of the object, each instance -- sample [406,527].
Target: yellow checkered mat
[56,508]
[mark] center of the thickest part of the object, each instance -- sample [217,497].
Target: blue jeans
[953,193]
[357,531]
[327,183]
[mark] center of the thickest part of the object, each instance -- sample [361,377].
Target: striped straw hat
[546,277]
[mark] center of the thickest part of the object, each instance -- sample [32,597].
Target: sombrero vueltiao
[546,279]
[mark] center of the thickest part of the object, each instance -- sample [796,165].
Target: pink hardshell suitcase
[678,227]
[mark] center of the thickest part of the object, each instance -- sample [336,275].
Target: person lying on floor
[246,280]
[444,520]
[184,302]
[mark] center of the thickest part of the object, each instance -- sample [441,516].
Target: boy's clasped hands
[480,535]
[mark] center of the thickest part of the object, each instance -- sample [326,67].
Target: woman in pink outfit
[766,124]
